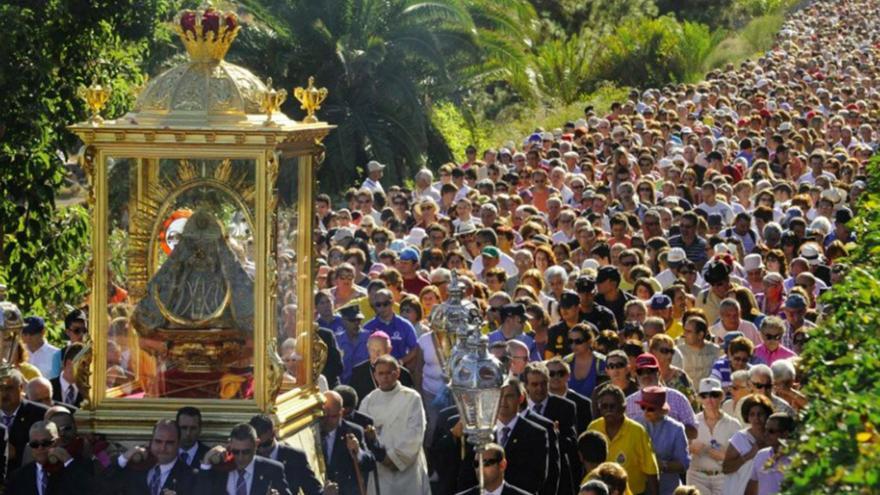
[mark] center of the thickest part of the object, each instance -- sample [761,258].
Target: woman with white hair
[424,188]
[555,279]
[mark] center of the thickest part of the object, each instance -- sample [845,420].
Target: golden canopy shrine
[201,204]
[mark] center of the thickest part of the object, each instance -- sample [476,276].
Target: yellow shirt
[675,330]
[29,371]
[368,311]
[632,449]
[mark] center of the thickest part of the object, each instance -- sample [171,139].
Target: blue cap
[795,301]
[660,301]
[33,324]
[409,254]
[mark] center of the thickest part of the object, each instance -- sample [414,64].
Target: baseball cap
[660,301]
[569,299]
[795,301]
[585,284]
[710,384]
[33,324]
[676,255]
[647,361]
[491,251]
[608,273]
[409,254]
[351,312]
[374,166]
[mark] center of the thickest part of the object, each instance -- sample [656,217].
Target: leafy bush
[838,449]
[562,67]
[655,52]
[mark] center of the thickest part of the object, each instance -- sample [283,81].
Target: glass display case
[201,273]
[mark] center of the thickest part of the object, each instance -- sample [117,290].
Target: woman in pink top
[772,350]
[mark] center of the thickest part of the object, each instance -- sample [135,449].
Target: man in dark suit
[348,463]
[17,415]
[40,477]
[559,372]
[250,474]
[444,452]
[526,444]
[494,468]
[145,471]
[379,344]
[40,390]
[189,420]
[560,414]
[297,472]
[64,387]
[333,368]
[349,407]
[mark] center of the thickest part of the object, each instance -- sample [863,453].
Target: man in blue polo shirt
[513,321]
[404,345]
[352,340]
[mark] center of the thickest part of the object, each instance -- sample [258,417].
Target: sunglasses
[557,374]
[772,336]
[714,395]
[380,239]
[615,366]
[666,350]
[577,341]
[628,264]
[487,462]
[79,331]
[241,452]
[381,304]
[762,386]
[41,444]
[649,409]
[646,371]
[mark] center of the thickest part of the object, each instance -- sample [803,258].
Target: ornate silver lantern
[476,377]
[449,322]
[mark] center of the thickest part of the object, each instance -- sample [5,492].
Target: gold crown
[206,33]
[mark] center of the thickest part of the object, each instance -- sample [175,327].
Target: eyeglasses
[628,263]
[615,366]
[79,331]
[41,444]
[649,409]
[713,395]
[241,452]
[487,462]
[381,304]
[577,341]
[666,350]
[762,386]
[380,239]
[772,336]
[557,374]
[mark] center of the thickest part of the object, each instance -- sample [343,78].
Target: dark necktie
[70,398]
[241,484]
[44,483]
[505,434]
[155,481]
[539,408]
[7,420]
[184,456]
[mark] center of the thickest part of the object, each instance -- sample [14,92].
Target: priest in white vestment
[399,419]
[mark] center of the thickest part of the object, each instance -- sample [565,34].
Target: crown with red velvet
[207,33]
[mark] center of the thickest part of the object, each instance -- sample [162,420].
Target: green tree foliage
[838,449]
[562,68]
[573,16]
[383,63]
[653,52]
[50,49]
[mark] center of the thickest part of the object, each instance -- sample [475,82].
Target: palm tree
[380,60]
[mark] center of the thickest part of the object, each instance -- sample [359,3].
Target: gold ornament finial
[96,97]
[311,99]
[270,101]
[206,33]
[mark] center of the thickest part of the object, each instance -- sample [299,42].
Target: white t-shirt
[720,208]
[747,328]
[736,482]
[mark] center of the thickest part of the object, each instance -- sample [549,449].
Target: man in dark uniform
[610,295]
[588,310]
[297,472]
[494,467]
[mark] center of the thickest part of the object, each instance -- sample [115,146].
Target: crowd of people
[648,278]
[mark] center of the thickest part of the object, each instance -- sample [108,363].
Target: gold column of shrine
[201,204]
